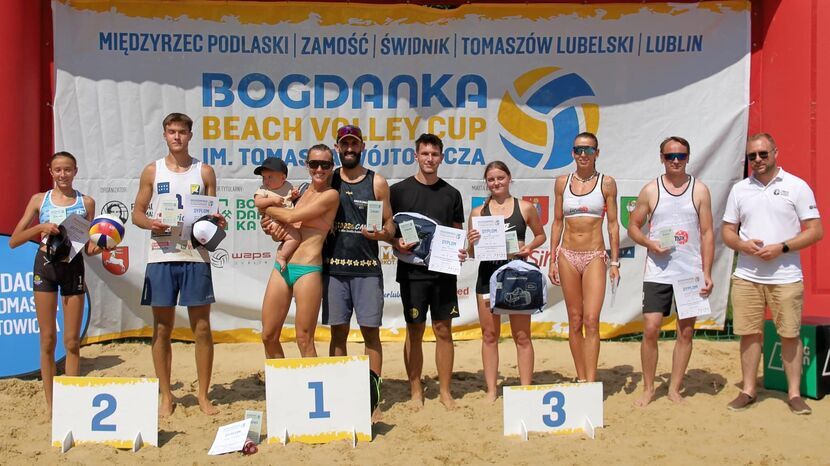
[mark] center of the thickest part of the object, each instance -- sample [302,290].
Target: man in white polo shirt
[769,217]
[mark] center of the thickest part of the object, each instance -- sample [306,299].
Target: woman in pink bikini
[583,198]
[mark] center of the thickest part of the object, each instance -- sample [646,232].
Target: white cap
[207,233]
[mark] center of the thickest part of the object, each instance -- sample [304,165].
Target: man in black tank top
[352,276]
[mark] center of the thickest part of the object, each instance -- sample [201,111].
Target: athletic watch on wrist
[614,264]
[784,247]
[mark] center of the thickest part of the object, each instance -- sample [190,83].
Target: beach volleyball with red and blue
[106,231]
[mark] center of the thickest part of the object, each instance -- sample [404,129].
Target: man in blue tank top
[681,245]
[177,272]
[352,275]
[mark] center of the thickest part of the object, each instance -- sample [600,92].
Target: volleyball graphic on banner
[542,115]
[106,231]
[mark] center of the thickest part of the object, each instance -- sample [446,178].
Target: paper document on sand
[230,438]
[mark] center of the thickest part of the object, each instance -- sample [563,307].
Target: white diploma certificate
[491,245]
[196,206]
[230,438]
[374,215]
[688,299]
[409,233]
[77,229]
[443,255]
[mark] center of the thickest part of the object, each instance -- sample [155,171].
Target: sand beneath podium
[699,430]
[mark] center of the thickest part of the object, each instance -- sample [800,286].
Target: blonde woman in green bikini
[313,216]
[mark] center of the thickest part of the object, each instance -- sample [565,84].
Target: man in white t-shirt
[769,217]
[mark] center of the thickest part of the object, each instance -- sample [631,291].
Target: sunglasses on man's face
[681,156]
[315,164]
[753,155]
[581,150]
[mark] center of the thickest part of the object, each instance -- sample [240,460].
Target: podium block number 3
[319,412]
[109,404]
[556,400]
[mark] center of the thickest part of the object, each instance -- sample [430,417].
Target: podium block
[318,400]
[118,411]
[815,359]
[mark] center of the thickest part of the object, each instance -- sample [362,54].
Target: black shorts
[439,297]
[486,269]
[68,276]
[657,297]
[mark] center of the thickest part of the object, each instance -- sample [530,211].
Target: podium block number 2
[118,411]
[319,412]
[109,403]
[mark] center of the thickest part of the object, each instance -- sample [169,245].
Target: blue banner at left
[19,329]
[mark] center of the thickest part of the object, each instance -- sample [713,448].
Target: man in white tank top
[177,273]
[679,207]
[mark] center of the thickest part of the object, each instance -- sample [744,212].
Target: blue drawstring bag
[425,227]
[518,287]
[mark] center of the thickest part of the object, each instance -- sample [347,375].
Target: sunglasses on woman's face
[753,155]
[675,156]
[582,150]
[315,164]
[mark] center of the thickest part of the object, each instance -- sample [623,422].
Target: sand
[701,430]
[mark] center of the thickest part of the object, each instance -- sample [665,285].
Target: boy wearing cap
[277,192]
[177,272]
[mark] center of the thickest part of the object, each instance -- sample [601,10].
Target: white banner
[496,82]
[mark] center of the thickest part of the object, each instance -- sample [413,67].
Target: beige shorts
[750,299]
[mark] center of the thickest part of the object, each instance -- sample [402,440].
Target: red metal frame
[789,78]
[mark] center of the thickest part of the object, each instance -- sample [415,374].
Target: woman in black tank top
[519,215]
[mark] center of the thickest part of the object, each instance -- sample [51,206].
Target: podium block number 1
[318,400]
[319,412]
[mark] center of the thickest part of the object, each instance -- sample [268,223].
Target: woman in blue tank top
[519,215]
[50,208]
